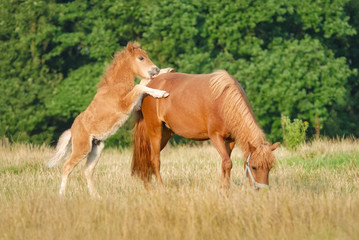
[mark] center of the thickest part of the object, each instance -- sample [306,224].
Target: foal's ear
[251,147]
[130,47]
[274,146]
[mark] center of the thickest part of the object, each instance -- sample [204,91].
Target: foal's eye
[254,167]
[141,58]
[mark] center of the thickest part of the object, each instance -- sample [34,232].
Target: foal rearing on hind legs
[113,103]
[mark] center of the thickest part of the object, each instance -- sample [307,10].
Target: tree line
[297,58]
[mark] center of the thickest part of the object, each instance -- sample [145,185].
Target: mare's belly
[187,120]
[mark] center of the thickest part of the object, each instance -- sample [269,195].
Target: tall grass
[314,195]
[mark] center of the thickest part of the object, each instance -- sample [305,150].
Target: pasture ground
[314,195]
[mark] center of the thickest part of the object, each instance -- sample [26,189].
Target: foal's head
[139,61]
[258,164]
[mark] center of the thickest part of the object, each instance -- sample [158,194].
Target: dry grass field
[314,195]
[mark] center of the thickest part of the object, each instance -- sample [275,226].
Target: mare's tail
[141,158]
[61,149]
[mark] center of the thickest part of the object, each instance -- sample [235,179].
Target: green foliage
[298,78]
[25,79]
[294,133]
[293,57]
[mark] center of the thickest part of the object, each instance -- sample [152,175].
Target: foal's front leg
[133,99]
[153,92]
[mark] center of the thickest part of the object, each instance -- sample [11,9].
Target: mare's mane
[238,113]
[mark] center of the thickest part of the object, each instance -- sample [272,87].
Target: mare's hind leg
[166,135]
[80,148]
[224,149]
[89,168]
[155,157]
[159,137]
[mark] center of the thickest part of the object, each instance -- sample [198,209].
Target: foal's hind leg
[89,168]
[80,148]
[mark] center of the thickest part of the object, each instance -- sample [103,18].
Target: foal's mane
[238,113]
[112,73]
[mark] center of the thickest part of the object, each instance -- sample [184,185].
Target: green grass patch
[21,168]
[347,160]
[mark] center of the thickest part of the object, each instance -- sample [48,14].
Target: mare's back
[187,91]
[180,81]
[189,106]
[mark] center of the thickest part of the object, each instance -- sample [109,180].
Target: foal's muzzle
[153,72]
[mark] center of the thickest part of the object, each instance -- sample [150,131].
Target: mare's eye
[254,167]
[141,58]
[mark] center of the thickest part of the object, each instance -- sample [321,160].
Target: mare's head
[259,162]
[139,62]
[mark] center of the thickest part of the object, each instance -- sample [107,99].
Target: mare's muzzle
[256,185]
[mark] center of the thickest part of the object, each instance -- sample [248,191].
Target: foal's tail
[61,149]
[141,158]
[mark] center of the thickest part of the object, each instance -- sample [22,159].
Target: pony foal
[113,103]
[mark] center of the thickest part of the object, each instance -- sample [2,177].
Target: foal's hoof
[160,94]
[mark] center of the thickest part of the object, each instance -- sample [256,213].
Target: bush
[294,133]
[295,57]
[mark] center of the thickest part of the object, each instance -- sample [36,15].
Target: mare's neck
[255,136]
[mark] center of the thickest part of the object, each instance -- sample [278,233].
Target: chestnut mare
[114,101]
[201,107]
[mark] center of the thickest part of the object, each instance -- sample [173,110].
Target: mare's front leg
[224,149]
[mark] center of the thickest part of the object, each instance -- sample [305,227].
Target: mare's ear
[274,146]
[251,147]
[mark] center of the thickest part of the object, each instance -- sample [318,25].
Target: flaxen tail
[141,158]
[61,149]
